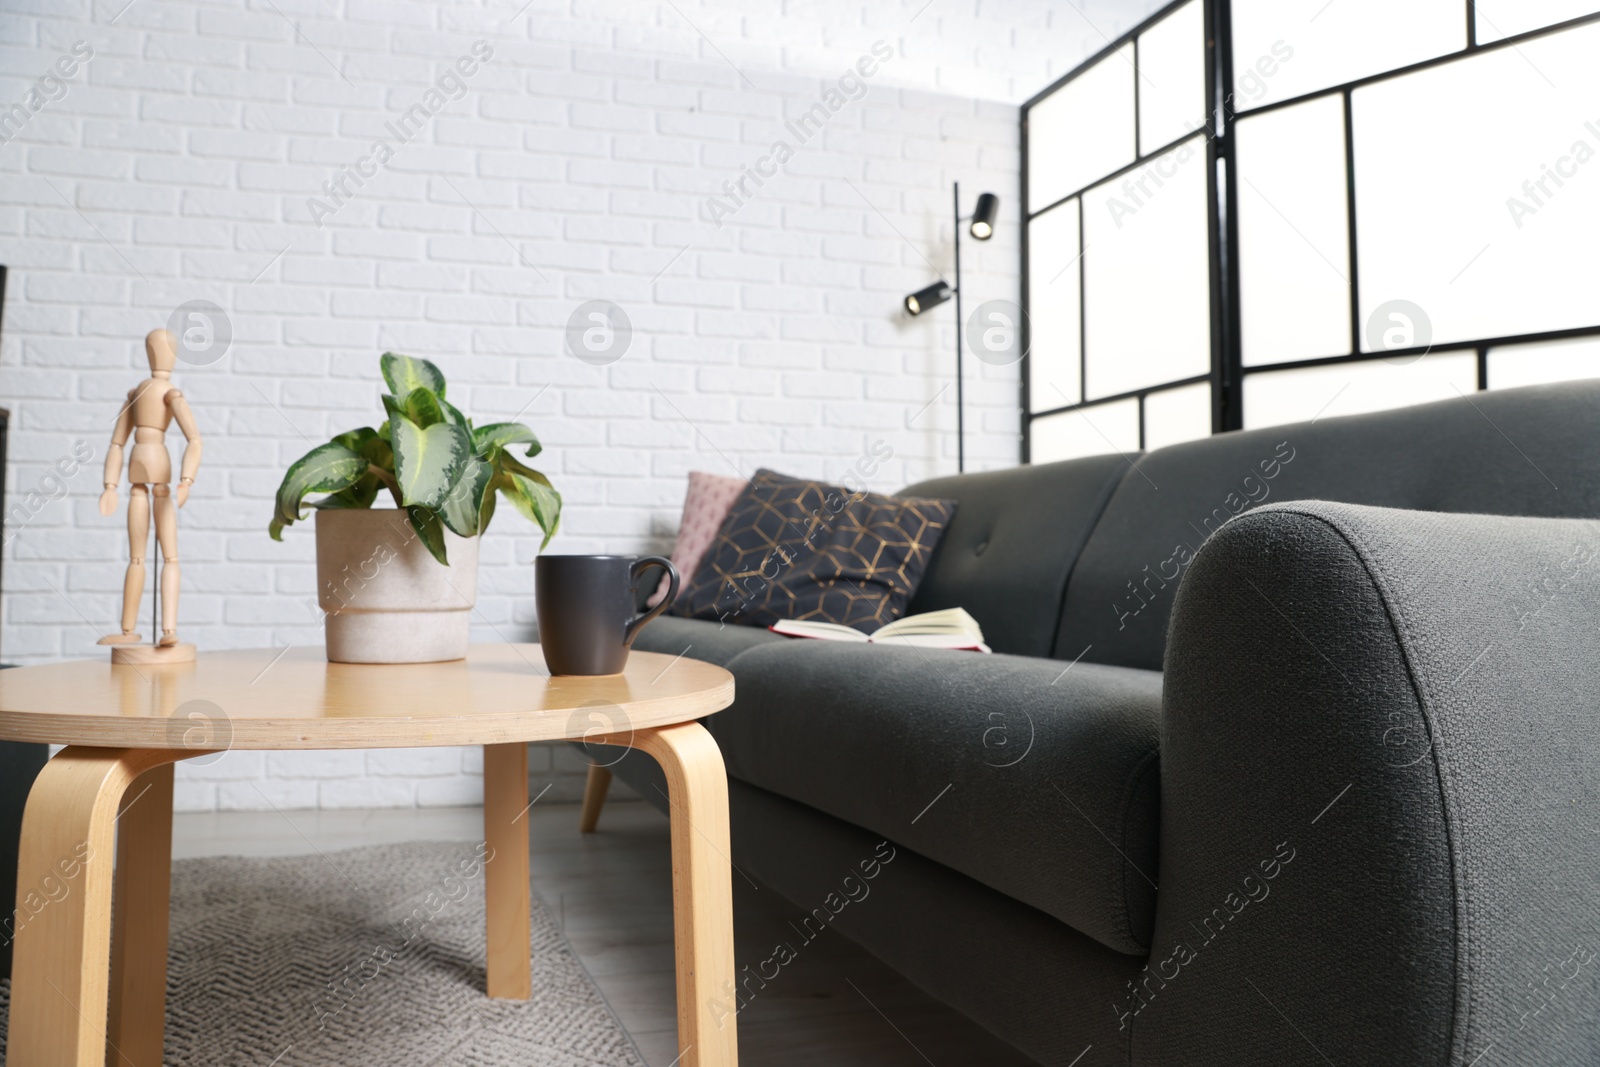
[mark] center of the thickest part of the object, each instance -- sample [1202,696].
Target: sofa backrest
[1011,545]
[1529,451]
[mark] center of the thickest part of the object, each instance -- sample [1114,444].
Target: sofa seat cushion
[1037,778]
[712,642]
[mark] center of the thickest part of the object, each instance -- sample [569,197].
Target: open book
[951,628]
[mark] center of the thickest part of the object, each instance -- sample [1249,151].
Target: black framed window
[1118,245]
[1389,204]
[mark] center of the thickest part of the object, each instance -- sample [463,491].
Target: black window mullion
[1350,221]
[1223,224]
[1083,315]
[1025,370]
[1138,130]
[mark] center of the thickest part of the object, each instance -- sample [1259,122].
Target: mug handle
[633,580]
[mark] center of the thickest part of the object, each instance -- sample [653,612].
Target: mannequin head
[162,350]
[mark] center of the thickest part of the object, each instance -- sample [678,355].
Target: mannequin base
[143,654]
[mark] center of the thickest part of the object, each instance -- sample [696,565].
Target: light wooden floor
[612,893]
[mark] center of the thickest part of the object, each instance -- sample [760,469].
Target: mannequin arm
[193,443]
[113,468]
[119,437]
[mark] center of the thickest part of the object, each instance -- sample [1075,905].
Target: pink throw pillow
[704,507]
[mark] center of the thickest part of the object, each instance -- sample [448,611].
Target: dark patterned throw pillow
[791,548]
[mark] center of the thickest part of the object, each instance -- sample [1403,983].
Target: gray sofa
[1289,752]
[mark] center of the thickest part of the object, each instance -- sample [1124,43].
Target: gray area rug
[370,956]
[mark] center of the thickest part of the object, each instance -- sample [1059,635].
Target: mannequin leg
[167,534]
[133,582]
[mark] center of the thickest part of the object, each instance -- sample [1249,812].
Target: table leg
[508,896]
[141,906]
[61,967]
[702,891]
[594,797]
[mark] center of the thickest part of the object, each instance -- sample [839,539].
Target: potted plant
[397,585]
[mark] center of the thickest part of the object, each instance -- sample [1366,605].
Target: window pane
[1082,131]
[1054,343]
[1294,238]
[1091,431]
[1498,19]
[1551,361]
[1172,77]
[1147,281]
[1286,48]
[1177,415]
[1310,393]
[1478,190]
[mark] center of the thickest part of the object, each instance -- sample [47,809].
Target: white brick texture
[577,160]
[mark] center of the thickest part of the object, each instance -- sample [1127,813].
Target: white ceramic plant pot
[384,597]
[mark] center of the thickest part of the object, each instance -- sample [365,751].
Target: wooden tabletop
[296,699]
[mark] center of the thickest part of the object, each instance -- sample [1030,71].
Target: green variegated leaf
[405,373]
[486,512]
[497,436]
[427,461]
[430,529]
[423,407]
[454,414]
[327,468]
[355,440]
[546,506]
[360,495]
[378,452]
[535,499]
[463,508]
[392,406]
[506,485]
[511,465]
[374,446]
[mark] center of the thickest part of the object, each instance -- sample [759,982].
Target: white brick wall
[576,165]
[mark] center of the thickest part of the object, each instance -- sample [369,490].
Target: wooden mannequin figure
[152,406]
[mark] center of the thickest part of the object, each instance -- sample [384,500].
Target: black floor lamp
[981,228]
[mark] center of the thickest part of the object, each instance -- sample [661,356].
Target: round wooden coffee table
[78,997]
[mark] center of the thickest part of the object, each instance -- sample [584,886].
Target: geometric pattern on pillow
[794,548]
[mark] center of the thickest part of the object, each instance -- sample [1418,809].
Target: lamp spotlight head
[931,297]
[983,216]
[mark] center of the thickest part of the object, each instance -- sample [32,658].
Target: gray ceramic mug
[587,617]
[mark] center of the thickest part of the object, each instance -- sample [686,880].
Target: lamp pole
[961,427]
[931,296]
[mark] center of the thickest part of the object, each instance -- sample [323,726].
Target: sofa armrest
[1380,767]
